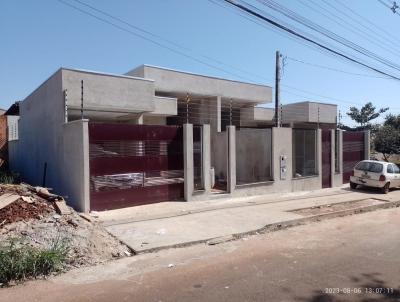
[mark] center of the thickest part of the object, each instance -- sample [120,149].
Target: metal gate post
[188,161]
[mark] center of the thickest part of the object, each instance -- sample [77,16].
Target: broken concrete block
[62,208]
[7,199]
[27,199]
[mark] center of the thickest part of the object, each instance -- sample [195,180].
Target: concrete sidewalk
[170,224]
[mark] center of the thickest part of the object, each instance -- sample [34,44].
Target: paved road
[306,263]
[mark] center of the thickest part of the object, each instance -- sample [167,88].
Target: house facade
[106,141]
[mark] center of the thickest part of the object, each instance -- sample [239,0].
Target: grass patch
[8,177]
[19,261]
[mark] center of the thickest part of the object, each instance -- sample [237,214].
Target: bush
[19,261]
[7,177]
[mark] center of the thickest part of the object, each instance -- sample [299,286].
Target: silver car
[377,174]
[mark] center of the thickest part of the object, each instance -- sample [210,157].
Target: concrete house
[107,141]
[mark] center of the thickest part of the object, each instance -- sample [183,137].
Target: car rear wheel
[385,188]
[353,185]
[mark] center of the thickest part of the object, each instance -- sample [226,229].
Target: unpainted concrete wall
[172,81]
[219,154]
[253,155]
[108,92]
[75,170]
[44,139]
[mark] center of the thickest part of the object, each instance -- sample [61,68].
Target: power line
[292,32]
[319,29]
[175,44]
[335,69]
[353,28]
[152,41]
[388,34]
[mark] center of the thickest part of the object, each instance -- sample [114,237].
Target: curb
[276,226]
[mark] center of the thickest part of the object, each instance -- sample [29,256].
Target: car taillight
[382,178]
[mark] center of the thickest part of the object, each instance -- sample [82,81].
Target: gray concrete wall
[178,82]
[40,133]
[44,139]
[75,170]
[231,181]
[309,112]
[188,164]
[108,92]
[253,155]
[219,153]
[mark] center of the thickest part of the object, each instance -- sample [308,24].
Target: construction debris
[7,199]
[62,208]
[38,217]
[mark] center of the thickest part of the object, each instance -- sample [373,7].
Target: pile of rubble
[38,218]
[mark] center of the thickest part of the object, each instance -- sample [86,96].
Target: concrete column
[231,175]
[86,169]
[188,161]
[333,146]
[340,151]
[367,144]
[319,153]
[215,111]
[206,162]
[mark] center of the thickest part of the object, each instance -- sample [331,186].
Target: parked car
[377,174]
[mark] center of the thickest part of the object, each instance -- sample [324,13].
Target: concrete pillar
[367,144]
[216,115]
[206,161]
[231,175]
[188,161]
[333,159]
[319,154]
[340,151]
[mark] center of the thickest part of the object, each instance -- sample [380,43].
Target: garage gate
[353,152]
[134,164]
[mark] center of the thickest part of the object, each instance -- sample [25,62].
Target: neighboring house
[154,134]
[8,131]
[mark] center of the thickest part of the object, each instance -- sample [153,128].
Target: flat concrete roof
[106,74]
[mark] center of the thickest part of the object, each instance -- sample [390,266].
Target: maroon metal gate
[326,159]
[134,164]
[353,152]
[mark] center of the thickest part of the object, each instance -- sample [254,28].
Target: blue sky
[38,37]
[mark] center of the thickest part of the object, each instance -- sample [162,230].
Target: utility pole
[277,88]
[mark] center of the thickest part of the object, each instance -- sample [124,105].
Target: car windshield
[369,167]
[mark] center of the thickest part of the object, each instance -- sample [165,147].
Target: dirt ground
[353,258]
[38,224]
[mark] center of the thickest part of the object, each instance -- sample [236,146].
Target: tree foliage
[392,121]
[387,138]
[366,114]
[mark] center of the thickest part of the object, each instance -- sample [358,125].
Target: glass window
[390,169]
[304,152]
[362,166]
[396,169]
[375,168]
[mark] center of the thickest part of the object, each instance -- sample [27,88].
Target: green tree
[392,121]
[365,115]
[387,138]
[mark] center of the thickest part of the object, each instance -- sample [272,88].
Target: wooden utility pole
[277,83]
